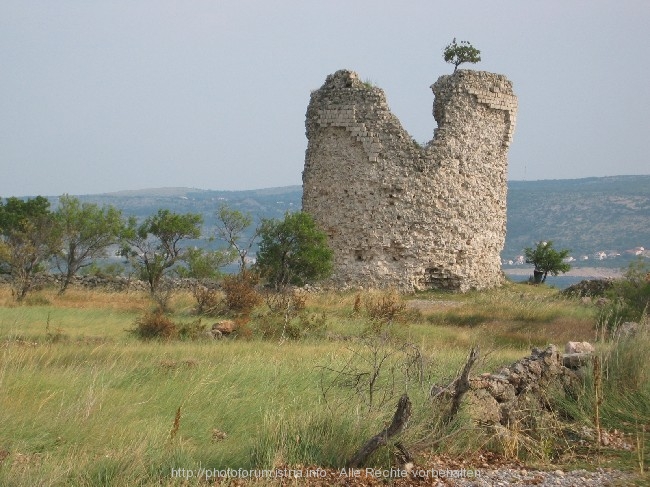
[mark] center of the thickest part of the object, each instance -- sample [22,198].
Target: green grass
[85,403]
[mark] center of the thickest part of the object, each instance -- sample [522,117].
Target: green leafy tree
[153,246]
[205,264]
[546,260]
[293,251]
[230,229]
[459,53]
[87,231]
[28,239]
[15,212]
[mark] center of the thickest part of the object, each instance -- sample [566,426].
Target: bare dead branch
[397,425]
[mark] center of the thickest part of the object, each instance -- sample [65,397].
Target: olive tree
[546,260]
[459,53]
[87,231]
[28,239]
[231,227]
[205,264]
[293,251]
[153,246]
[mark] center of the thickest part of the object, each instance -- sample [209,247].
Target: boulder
[579,347]
[575,361]
[627,329]
[225,327]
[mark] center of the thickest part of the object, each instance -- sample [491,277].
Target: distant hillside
[262,203]
[585,215]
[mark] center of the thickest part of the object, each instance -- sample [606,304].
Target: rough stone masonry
[403,215]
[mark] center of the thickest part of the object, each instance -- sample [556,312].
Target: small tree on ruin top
[459,53]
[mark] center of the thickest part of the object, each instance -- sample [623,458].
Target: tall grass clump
[322,439]
[616,389]
[629,299]
[287,317]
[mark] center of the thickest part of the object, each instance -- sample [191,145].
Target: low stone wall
[109,283]
[522,393]
[516,391]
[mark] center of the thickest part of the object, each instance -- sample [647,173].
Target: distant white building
[569,259]
[635,251]
[584,257]
[600,255]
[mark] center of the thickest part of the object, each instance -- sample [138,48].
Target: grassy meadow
[84,402]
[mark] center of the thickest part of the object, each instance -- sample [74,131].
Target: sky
[107,95]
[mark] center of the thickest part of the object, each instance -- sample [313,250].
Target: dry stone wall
[399,214]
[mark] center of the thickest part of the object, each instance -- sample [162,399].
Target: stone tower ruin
[399,214]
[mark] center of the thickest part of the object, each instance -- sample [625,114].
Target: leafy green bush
[194,330]
[459,53]
[629,298]
[634,289]
[293,251]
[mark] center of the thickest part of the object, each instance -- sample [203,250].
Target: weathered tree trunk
[462,383]
[400,418]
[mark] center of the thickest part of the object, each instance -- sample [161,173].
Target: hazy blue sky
[103,95]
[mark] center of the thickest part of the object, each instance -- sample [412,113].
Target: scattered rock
[225,327]
[627,329]
[215,334]
[575,361]
[218,435]
[579,347]
[589,288]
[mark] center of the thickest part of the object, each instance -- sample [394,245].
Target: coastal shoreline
[586,272]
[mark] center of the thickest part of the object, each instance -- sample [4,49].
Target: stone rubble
[520,392]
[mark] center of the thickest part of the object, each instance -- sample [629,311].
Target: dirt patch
[432,305]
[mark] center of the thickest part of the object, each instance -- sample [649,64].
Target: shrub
[385,308]
[287,318]
[634,289]
[191,331]
[459,53]
[293,251]
[112,269]
[241,295]
[274,326]
[155,325]
[208,301]
[629,298]
[289,302]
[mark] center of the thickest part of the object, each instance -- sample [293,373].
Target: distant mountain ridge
[585,215]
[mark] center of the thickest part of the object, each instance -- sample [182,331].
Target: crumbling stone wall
[525,388]
[401,215]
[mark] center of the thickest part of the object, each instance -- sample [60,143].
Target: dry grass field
[85,402]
